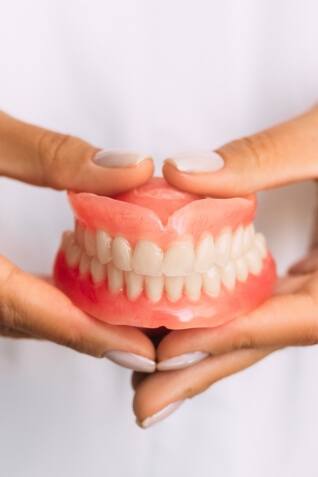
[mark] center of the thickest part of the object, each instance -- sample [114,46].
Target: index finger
[46,158]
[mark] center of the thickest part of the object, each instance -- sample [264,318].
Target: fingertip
[114,180]
[207,184]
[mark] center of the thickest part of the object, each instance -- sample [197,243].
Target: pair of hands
[191,360]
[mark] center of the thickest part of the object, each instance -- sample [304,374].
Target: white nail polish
[206,161]
[115,159]
[131,361]
[159,416]
[182,361]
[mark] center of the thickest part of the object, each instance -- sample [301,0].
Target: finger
[284,320]
[280,155]
[161,393]
[136,379]
[291,284]
[10,333]
[46,158]
[307,265]
[32,306]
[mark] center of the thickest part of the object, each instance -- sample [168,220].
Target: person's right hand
[32,307]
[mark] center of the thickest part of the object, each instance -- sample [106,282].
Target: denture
[157,256]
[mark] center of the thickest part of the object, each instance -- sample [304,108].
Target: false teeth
[121,254]
[182,270]
[179,259]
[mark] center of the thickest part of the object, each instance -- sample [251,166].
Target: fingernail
[106,158]
[131,361]
[159,416]
[181,361]
[205,161]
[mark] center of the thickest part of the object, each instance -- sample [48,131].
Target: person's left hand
[192,360]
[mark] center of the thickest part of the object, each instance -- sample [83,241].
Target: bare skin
[45,158]
[282,155]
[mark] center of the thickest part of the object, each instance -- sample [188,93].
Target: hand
[31,307]
[281,155]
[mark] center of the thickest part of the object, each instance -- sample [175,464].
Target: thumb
[50,159]
[280,155]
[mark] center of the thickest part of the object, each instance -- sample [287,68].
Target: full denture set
[156,256]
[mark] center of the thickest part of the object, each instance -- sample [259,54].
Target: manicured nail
[132,361]
[106,158]
[159,416]
[199,162]
[181,361]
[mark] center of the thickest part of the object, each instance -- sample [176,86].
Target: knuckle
[77,340]
[243,341]
[260,149]
[59,158]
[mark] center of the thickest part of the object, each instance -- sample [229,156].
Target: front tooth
[147,258]
[154,288]
[103,246]
[134,284]
[223,247]
[237,243]
[73,254]
[79,233]
[89,241]
[260,244]
[241,269]
[174,287]
[121,254]
[254,262]
[228,276]
[193,284]
[98,271]
[204,254]
[84,265]
[212,282]
[248,237]
[115,279]
[179,259]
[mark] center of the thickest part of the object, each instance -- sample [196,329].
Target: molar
[154,288]
[223,247]
[73,253]
[248,237]
[237,243]
[121,254]
[79,233]
[212,282]
[103,246]
[84,265]
[67,238]
[204,254]
[241,269]
[147,259]
[260,244]
[193,284]
[115,279]
[89,241]
[134,285]
[254,261]
[174,288]
[98,271]
[178,260]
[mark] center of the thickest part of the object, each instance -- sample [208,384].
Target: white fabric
[160,77]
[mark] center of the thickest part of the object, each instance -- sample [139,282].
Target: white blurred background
[157,77]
